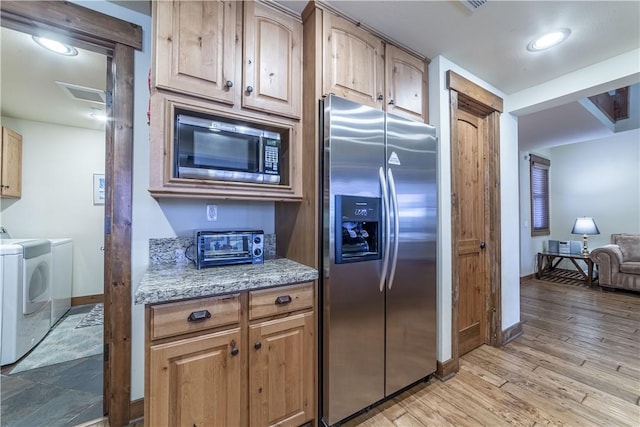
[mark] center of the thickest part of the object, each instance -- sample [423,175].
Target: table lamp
[585,225]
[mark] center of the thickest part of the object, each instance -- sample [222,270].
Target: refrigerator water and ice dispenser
[358,228]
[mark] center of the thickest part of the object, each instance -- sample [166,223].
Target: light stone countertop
[166,283]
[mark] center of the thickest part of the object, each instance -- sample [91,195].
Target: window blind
[539,168]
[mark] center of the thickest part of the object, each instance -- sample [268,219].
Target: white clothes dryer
[26,296]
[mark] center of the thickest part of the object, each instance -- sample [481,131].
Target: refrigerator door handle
[396,226]
[387,227]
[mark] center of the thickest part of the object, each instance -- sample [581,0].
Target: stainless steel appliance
[220,149]
[215,247]
[379,256]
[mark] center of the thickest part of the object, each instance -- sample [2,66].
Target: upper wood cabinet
[406,84]
[272,68]
[197,51]
[353,62]
[11,164]
[195,47]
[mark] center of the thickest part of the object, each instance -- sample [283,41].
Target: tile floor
[64,394]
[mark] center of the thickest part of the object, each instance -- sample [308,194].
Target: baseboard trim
[446,370]
[511,333]
[87,299]
[527,277]
[136,409]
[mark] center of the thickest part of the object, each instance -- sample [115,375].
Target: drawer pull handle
[284,299]
[197,316]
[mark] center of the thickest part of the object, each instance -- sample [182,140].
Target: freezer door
[353,304]
[411,291]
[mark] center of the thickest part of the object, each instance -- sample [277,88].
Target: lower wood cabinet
[281,371]
[196,381]
[235,360]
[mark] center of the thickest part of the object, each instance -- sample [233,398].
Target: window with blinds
[539,168]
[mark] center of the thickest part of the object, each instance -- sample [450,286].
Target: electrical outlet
[212,212]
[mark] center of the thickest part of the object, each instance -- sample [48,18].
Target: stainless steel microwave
[206,148]
[215,247]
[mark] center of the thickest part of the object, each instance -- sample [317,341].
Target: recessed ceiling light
[548,40]
[56,46]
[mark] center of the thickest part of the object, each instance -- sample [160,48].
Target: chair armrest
[608,258]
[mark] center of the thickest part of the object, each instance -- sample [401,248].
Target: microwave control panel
[271,156]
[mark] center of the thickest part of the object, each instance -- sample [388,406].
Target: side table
[548,261]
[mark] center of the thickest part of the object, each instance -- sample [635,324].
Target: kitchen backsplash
[179,250]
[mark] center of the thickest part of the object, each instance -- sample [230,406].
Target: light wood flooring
[577,364]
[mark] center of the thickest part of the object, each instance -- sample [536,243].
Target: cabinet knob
[249,89]
[391,102]
[235,351]
[483,245]
[257,345]
[229,84]
[380,97]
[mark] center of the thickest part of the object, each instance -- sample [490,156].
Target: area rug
[93,318]
[65,342]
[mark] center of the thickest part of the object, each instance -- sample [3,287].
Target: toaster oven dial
[257,252]
[257,240]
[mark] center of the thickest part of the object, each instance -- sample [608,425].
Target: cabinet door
[195,49]
[196,381]
[353,63]
[281,371]
[406,83]
[11,164]
[272,69]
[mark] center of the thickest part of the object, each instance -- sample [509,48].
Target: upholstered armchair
[619,262]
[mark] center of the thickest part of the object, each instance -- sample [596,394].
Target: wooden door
[196,381]
[406,84]
[195,48]
[11,164]
[470,191]
[281,371]
[272,68]
[353,62]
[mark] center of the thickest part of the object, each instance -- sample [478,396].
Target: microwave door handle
[387,227]
[261,155]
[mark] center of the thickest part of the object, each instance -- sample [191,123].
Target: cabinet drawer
[192,316]
[280,300]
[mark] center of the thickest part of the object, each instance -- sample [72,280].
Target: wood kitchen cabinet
[406,84]
[195,48]
[200,67]
[198,51]
[242,360]
[363,67]
[281,356]
[10,164]
[353,62]
[272,68]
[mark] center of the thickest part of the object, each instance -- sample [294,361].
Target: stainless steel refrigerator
[378,285]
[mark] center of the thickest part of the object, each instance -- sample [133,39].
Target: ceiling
[489,42]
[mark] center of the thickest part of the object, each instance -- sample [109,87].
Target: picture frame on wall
[98,189]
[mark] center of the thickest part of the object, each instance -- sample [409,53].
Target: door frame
[469,97]
[117,39]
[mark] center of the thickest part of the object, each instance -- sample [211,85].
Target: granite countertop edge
[170,282]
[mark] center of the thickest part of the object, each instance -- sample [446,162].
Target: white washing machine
[26,296]
[61,277]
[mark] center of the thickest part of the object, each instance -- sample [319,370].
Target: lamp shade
[585,225]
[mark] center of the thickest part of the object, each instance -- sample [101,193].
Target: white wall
[58,163]
[440,117]
[600,179]
[166,218]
